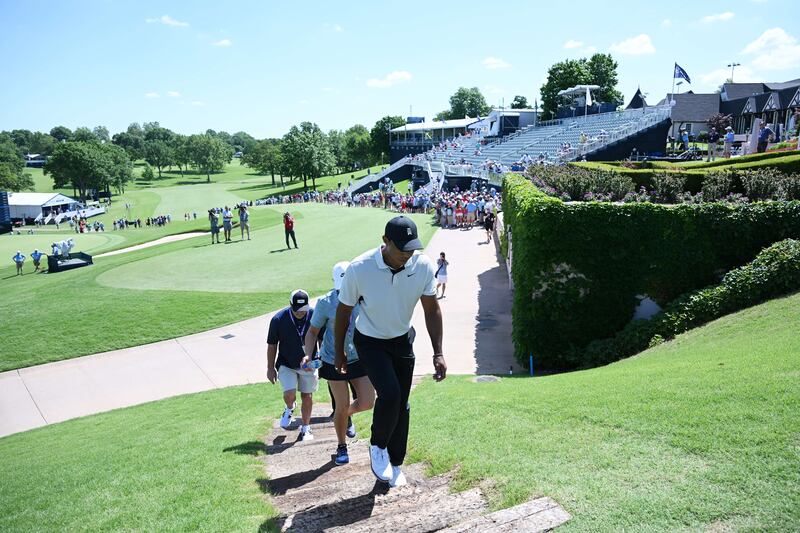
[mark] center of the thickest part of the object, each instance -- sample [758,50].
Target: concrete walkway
[477,339]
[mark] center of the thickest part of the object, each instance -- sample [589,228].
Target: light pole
[733,66]
[679,86]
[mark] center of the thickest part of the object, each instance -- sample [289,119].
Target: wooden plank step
[535,516]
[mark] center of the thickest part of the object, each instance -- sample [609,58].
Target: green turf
[179,288]
[699,434]
[183,464]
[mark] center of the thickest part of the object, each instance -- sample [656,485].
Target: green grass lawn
[183,464]
[179,288]
[699,434]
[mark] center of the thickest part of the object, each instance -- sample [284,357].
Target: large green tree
[61,133]
[208,153]
[84,135]
[307,153]
[519,102]
[88,165]
[101,132]
[12,168]
[265,157]
[132,144]
[379,136]
[243,142]
[600,69]
[42,143]
[357,147]
[465,103]
[159,153]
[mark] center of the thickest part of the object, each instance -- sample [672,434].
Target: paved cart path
[477,340]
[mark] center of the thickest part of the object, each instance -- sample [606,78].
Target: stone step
[430,510]
[316,455]
[347,482]
[535,516]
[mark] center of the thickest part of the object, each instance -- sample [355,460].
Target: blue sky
[263,66]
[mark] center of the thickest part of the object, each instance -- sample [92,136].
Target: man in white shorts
[287,331]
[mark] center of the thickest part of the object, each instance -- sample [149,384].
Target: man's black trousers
[390,366]
[290,233]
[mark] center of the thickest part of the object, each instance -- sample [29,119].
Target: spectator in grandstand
[441,274]
[19,261]
[765,136]
[713,139]
[37,258]
[288,227]
[244,220]
[729,138]
[213,219]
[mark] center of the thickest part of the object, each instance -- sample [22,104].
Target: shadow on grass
[253,447]
[342,513]
[279,250]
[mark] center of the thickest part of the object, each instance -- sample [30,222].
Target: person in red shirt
[288,226]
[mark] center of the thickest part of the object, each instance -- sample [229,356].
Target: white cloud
[635,46]
[337,28]
[174,94]
[222,42]
[167,21]
[715,78]
[198,103]
[719,17]
[774,50]
[572,43]
[494,63]
[328,89]
[393,78]
[151,94]
[666,23]
[589,50]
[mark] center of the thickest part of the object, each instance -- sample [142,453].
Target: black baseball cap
[403,233]
[299,300]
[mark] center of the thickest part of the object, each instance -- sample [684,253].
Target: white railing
[642,123]
[370,178]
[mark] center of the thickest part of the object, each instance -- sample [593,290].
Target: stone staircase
[312,494]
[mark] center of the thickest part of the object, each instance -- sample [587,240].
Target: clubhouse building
[744,102]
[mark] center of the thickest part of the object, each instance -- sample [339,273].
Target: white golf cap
[338,273]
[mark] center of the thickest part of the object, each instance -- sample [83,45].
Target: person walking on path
[713,138]
[244,220]
[488,225]
[37,260]
[227,223]
[387,283]
[213,219]
[441,274]
[355,376]
[288,228]
[287,331]
[728,142]
[19,260]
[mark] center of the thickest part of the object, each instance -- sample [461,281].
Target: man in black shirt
[287,331]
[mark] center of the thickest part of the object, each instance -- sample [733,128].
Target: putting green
[326,234]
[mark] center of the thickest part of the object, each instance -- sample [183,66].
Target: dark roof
[783,85]
[638,101]
[732,107]
[692,107]
[734,91]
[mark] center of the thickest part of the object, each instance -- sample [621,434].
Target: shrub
[717,185]
[774,272]
[147,172]
[578,267]
[668,187]
[789,187]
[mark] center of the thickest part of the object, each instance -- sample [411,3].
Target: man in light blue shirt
[364,394]
[19,260]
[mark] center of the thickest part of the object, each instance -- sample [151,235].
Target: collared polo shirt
[325,317]
[289,334]
[387,300]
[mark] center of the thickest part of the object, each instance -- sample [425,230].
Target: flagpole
[672,94]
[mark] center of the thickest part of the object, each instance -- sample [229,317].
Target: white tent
[38,204]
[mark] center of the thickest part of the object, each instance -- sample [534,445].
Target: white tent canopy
[578,90]
[35,204]
[435,125]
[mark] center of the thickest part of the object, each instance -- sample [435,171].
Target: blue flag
[680,73]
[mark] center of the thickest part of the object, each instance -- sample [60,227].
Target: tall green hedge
[578,267]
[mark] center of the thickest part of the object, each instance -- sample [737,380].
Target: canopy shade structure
[578,90]
[436,125]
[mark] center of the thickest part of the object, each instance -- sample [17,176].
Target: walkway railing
[371,178]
